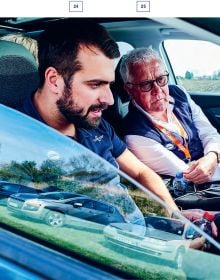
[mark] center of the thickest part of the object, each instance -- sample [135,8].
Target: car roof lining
[33,24]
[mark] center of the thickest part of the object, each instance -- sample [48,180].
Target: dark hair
[58,46]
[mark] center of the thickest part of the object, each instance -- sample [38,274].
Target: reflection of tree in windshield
[83,175]
[88,168]
[27,171]
[82,168]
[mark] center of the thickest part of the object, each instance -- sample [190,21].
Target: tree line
[189,75]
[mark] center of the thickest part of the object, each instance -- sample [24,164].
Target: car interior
[19,78]
[18,73]
[18,69]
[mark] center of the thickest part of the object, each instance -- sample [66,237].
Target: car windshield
[100,227]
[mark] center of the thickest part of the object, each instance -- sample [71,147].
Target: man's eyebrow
[99,81]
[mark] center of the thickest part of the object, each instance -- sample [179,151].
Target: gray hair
[137,56]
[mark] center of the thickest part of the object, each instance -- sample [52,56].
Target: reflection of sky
[23,138]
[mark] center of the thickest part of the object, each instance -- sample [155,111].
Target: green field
[200,85]
[93,245]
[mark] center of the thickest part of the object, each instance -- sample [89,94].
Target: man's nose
[155,89]
[107,97]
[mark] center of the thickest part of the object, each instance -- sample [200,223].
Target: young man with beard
[76,68]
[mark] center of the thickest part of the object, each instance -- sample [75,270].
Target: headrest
[18,74]
[115,113]
[124,48]
[118,86]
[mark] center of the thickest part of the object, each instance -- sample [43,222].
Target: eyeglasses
[147,85]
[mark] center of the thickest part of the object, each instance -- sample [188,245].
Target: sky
[199,57]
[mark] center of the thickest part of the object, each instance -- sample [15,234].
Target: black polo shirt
[102,140]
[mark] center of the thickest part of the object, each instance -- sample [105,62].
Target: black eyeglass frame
[151,83]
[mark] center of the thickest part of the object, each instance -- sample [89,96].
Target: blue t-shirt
[102,140]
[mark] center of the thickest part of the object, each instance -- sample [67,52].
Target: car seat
[18,74]
[115,113]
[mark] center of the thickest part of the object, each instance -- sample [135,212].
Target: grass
[200,85]
[93,245]
[146,204]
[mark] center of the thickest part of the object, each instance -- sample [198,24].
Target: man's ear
[54,80]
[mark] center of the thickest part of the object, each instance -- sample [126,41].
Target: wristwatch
[217,155]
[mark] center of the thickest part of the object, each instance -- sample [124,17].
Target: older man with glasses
[164,128]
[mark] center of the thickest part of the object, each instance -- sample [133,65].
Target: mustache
[165,98]
[95,107]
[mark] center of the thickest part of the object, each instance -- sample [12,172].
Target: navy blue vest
[136,123]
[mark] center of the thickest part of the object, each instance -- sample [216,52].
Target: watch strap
[217,155]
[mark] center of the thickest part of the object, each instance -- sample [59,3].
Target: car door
[101,213]
[82,208]
[106,214]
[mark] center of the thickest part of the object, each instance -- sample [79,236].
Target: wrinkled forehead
[146,69]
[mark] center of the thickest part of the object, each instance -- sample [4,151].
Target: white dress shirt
[159,158]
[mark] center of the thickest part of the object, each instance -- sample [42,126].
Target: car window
[110,241]
[100,206]
[67,195]
[195,64]
[112,209]
[55,196]
[161,223]
[87,204]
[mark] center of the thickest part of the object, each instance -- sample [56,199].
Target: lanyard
[176,141]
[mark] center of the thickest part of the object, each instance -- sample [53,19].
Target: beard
[74,114]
